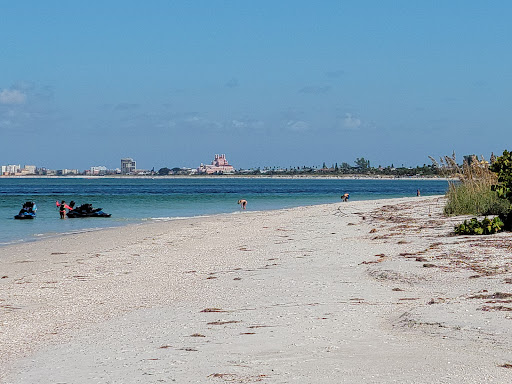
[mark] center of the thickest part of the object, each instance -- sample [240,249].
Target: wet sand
[368,291]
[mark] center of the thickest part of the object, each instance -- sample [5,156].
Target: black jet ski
[27,212]
[86,210]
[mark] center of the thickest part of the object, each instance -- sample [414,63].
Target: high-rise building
[127,166]
[11,169]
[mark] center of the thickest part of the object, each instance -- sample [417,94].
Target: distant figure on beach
[345,197]
[242,203]
[418,193]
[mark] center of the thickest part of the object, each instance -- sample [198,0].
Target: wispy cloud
[166,124]
[187,120]
[201,122]
[315,89]
[247,124]
[12,97]
[350,122]
[297,125]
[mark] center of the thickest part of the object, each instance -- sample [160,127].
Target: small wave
[173,218]
[18,241]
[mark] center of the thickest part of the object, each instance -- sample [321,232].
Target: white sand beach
[358,292]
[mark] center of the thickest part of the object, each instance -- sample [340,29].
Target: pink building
[218,165]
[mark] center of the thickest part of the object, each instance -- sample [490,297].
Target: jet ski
[27,212]
[86,210]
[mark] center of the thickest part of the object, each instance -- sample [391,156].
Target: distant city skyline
[286,83]
[128,165]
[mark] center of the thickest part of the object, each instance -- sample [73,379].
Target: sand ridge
[369,291]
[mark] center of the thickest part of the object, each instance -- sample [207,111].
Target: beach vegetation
[485,226]
[362,163]
[502,167]
[481,189]
[164,171]
[471,187]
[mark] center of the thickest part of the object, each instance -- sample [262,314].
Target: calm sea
[138,200]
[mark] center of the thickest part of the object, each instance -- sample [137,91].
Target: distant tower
[127,166]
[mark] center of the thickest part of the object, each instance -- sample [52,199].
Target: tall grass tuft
[469,191]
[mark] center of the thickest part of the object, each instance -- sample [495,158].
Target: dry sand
[358,292]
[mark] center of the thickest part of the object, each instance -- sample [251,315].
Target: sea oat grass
[472,194]
[474,199]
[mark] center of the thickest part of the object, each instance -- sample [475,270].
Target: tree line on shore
[362,167]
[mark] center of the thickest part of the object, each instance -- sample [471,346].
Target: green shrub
[503,168]
[476,227]
[498,207]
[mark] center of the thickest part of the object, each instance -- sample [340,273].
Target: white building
[65,171]
[128,166]
[11,169]
[98,170]
[29,170]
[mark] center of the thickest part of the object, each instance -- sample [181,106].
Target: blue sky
[268,83]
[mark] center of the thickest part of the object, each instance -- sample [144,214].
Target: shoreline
[144,221]
[158,177]
[275,296]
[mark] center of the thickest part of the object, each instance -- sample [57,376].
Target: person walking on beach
[242,203]
[345,197]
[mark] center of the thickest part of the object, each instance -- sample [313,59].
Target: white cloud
[13,96]
[350,122]
[166,124]
[239,124]
[247,123]
[200,122]
[297,125]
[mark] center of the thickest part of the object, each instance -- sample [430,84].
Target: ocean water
[141,200]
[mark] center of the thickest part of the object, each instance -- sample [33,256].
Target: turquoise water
[138,200]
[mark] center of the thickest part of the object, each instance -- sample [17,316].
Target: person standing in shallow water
[345,197]
[62,209]
[418,193]
[242,203]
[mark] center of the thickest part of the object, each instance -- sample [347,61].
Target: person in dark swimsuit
[62,209]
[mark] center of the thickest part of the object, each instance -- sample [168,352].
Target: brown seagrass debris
[213,310]
[496,295]
[223,322]
[490,308]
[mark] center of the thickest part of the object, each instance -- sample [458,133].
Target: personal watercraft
[27,212]
[86,210]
